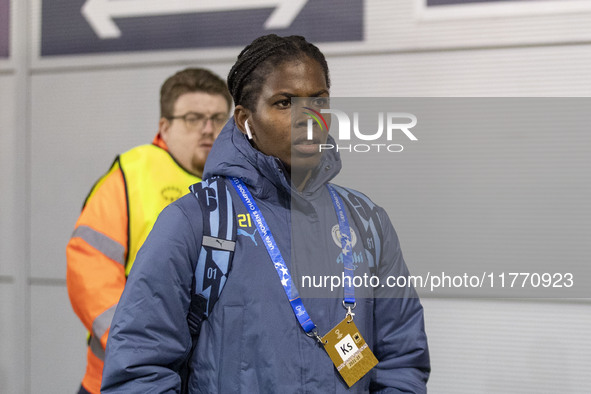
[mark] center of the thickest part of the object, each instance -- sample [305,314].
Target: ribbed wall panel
[508,346]
[10,375]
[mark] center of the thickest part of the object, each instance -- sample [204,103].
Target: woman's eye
[320,102]
[283,103]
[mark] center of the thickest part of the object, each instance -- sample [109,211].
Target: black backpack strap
[217,249]
[215,258]
[366,219]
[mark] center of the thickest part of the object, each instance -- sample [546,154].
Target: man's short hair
[188,81]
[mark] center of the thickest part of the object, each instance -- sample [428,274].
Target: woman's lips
[306,147]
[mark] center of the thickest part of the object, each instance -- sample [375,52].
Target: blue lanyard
[346,245]
[279,263]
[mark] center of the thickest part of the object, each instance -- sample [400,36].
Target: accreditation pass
[348,351]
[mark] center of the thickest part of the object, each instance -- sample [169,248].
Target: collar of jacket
[233,155]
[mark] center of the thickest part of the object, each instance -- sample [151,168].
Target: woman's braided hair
[256,60]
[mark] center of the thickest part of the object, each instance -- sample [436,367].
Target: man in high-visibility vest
[123,205]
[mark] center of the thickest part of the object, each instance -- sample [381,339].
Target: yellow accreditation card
[348,351]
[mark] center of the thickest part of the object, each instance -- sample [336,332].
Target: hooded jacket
[252,342]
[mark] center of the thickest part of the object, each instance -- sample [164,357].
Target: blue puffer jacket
[252,342]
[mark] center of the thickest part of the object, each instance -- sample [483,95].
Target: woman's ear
[241,115]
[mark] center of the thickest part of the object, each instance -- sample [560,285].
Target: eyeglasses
[197,121]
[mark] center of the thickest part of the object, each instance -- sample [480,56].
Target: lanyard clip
[349,309]
[314,334]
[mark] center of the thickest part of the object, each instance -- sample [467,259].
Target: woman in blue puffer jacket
[261,336]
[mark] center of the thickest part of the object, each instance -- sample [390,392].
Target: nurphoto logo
[396,123]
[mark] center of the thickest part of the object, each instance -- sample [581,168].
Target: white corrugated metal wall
[62,120]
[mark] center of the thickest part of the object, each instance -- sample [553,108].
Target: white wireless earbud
[248,132]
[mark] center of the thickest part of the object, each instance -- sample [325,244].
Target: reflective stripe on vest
[153,179]
[101,324]
[107,246]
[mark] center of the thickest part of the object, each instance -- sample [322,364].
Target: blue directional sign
[101,26]
[4,28]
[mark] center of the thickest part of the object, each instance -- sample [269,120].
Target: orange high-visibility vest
[117,217]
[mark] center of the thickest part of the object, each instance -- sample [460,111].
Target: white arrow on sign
[100,13]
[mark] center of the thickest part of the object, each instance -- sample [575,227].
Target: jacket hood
[233,155]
